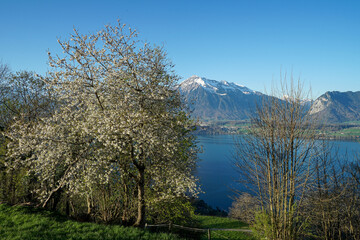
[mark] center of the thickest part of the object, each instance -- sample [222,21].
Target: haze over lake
[217,174]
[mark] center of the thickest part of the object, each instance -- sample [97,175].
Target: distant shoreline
[340,133]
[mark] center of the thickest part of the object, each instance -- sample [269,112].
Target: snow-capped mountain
[222,100]
[213,86]
[219,100]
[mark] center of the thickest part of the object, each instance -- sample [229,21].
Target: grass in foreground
[223,222]
[29,223]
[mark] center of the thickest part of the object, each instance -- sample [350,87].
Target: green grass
[26,223]
[223,222]
[350,131]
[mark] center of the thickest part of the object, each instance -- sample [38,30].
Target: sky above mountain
[248,42]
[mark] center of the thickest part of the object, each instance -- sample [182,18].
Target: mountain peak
[198,80]
[218,87]
[218,100]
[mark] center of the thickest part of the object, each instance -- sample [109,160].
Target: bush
[244,208]
[177,211]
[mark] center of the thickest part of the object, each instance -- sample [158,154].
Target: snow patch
[200,81]
[219,87]
[239,85]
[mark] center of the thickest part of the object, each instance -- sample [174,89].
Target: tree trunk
[56,199]
[67,209]
[124,217]
[89,205]
[140,221]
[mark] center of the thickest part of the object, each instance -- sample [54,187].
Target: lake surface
[217,174]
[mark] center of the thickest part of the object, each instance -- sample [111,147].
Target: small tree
[23,97]
[275,158]
[332,206]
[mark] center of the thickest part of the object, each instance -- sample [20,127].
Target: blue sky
[244,41]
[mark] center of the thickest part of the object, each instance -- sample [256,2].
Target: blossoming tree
[118,112]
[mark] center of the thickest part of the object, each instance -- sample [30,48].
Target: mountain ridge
[212,100]
[337,107]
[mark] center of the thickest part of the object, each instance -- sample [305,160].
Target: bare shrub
[244,208]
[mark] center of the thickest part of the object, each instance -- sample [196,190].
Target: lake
[217,174]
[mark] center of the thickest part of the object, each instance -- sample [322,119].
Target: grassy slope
[222,222]
[28,223]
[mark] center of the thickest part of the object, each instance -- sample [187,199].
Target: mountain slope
[336,107]
[214,100]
